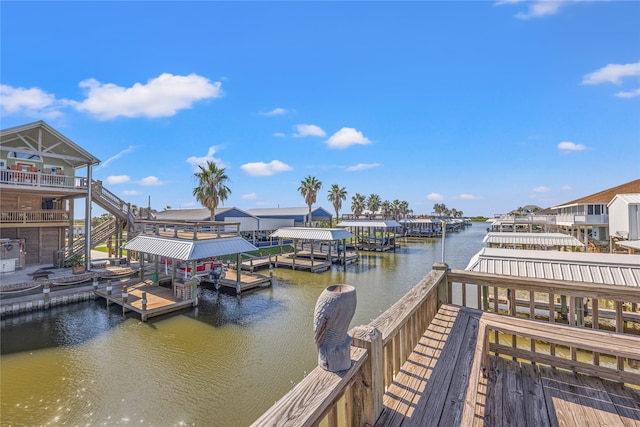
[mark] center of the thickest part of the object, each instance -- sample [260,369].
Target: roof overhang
[188,250]
[41,139]
[370,223]
[542,239]
[630,244]
[305,233]
[597,268]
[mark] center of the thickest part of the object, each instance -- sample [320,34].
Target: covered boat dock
[537,241]
[372,235]
[325,246]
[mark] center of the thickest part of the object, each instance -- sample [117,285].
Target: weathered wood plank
[312,396]
[535,406]
[410,383]
[512,394]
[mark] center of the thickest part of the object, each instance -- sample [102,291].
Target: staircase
[112,204]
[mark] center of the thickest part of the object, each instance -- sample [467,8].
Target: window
[52,169]
[26,156]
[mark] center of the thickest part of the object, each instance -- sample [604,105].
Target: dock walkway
[440,384]
[159,300]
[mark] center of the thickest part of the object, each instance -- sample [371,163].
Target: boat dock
[245,282]
[146,298]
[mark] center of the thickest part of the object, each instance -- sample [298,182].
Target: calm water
[222,364]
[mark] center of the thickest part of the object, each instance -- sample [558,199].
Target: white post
[444,232]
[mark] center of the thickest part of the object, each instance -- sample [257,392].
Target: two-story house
[42,175]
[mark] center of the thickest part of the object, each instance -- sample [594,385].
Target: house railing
[99,234]
[16,216]
[354,397]
[571,219]
[40,179]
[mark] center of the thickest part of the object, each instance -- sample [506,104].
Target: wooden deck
[160,300]
[298,263]
[247,280]
[441,385]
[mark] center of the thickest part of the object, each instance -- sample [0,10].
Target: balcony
[34,218]
[573,220]
[23,180]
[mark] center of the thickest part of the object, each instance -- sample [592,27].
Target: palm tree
[404,208]
[309,188]
[336,195]
[357,204]
[386,209]
[212,187]
[373,204]
[395,208]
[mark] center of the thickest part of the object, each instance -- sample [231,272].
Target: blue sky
[483,106]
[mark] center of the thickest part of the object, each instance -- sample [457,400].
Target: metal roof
[369,223]
[543,239]
[312,233]
[297,211]
[599,268]
[630,244]
[188,250]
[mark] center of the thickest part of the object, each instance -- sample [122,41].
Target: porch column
[87,221]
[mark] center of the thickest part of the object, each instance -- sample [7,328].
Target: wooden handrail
[387,342]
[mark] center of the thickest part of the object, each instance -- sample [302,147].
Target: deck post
[47,297]
[109,290]
[369,390]
[443,287]
[125,298]
[238,277]
[144,306]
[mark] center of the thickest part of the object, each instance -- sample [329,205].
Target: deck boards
[431,387]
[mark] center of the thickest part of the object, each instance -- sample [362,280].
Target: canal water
[221,364]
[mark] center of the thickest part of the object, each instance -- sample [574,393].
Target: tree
[395,208]
[386,209]
[309,188]
[373,204]
[357,204]
[336,195]
[212,187]
[404,208]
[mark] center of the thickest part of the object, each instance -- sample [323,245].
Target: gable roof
[188,250]
[40,138]
[295,211]
[194,214]
[605,196]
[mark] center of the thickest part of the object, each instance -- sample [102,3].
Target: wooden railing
[39,179]
[33,216]
[354,397]
[99,234]
[112,203]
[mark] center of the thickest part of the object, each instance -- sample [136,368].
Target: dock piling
[125,298]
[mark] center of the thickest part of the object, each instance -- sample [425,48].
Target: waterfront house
[624,222]
[299,215]
[588,217]
[43,174]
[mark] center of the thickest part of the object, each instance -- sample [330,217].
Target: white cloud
[265,169]
[127,150]
[435,196]
[279,134]
[571,146]
[150,181]
[30,102]
[565,188]
[541,189]
[275,112]
[612,73]
[361,167]
[131,193]
[250,196]
[196,161]
[118,179]
[162,96]
[346,137]
[308,130]
[469,197]
[539,8]
[628,94]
